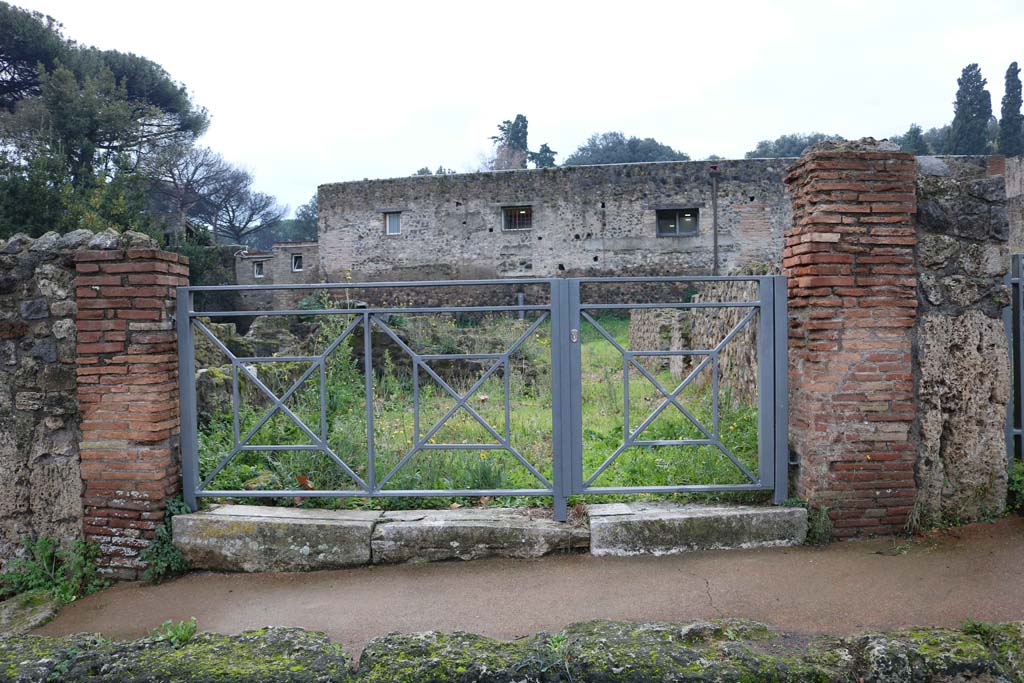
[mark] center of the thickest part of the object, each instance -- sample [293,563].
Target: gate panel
[684,405]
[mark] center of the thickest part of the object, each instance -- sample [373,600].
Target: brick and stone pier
[128,392]
[853,306]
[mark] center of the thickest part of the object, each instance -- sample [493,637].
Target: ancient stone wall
[586,220]
[278,267]
[738,362]
[853,306]
[41,484]
[1015,202]
[961,356]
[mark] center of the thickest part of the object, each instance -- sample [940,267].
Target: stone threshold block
[255,538]
[470,534]
[666,528]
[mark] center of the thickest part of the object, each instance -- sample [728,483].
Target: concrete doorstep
[252,538]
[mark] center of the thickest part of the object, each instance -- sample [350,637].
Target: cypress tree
[1011,123]
[971,113]
[913,141]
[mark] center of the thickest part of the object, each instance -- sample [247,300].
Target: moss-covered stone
[441,657]
[26,611]
[269,656]
[718,651]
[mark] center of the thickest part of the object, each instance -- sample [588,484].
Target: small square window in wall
[517,217]
[393,223]
[257,269]
[678,222]
[296,263]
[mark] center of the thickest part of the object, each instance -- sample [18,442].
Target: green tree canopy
[972,111]
[543,157]
[615,148]
[791,145]
[913,141]
[1011,122]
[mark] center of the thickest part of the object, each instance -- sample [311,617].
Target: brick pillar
[128,391]
[853,304]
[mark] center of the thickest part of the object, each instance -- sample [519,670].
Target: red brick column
[853,304]
[128,393]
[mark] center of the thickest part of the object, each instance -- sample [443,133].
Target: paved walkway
[941,579]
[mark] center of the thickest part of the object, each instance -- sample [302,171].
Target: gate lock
[574,335]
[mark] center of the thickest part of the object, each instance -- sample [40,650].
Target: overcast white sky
[303,93]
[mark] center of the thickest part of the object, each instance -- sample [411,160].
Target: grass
[527,386]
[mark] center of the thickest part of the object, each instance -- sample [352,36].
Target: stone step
[254,538]
[472,533]
[666,528]
[260,538]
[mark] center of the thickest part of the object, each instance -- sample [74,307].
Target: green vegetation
[67,573]
[615,148]
[819,526]
[1015,487]
[162,559]
[177,634]
[480,464]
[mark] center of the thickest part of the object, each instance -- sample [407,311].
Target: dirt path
[974,572]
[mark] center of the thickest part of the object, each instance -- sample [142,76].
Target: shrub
[67,573]
[1015,489]
[163,560]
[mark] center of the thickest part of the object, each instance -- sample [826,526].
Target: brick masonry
[128,392]
[853,305]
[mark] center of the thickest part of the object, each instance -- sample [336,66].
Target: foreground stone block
[272,655]
[469,534]
[27,611]
[252,538]
[596,651]
[667,528]
[713,651]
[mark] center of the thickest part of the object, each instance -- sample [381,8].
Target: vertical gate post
[561,422]
[780,386]
[1012,319]
[187,380]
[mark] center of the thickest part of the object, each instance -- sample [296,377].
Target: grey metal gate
[564,314]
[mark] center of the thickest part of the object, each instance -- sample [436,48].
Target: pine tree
[972,111]
[913,141]
[1011,122]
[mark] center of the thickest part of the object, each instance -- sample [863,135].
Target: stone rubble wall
[738,362]
[587,220]
[41,483]
[1015,202]
[962,371]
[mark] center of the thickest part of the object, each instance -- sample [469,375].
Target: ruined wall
[738,362]
[961,356]
[277,270]
[587,220]
[40,480]
[1015,202]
